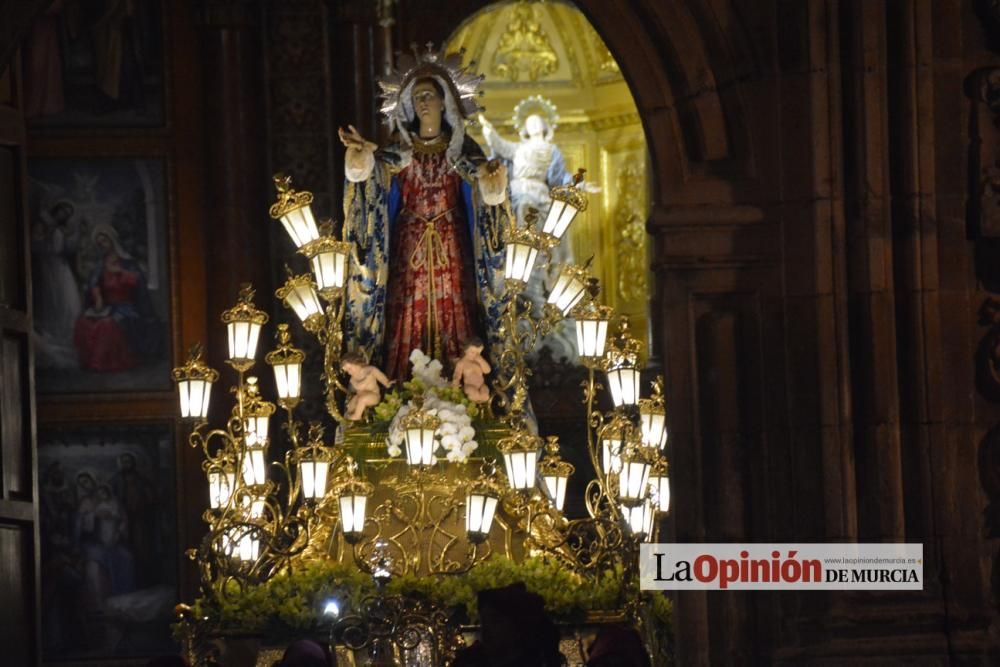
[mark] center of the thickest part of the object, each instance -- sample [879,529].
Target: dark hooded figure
[514,631]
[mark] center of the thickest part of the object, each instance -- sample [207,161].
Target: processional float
[428,484]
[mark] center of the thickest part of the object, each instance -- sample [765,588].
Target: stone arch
[683,61]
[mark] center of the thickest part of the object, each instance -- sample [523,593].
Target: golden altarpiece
[374,533]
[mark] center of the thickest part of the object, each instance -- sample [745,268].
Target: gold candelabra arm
[201,439]
[333,340]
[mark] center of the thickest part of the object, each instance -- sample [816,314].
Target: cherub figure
[470,370]
[365,381]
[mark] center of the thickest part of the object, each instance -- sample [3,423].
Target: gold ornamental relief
[524,48]
[629,219]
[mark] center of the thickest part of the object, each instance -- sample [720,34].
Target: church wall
[822,246]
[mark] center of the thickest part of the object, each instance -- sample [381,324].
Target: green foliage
[394,399]
[291,603]
[388,407]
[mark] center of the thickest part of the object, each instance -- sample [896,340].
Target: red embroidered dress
[432,300]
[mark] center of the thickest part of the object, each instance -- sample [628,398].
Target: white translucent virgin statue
[535,165]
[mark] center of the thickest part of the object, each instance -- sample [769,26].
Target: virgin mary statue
[425,215]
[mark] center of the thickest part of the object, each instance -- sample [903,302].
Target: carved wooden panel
[16,612]
[11,271]
[15,436]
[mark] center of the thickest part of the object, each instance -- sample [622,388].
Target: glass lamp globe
[555,473]
[221,484]
[329,259]
[570,288]
[634,476]
[520,456]
[567,202]
[640,519]
[480,508]
[299,294]
[659,480]
[243,322]
[592,320]
[419,429]
[352,501]
[522,248]
[286,362]
[194,385]
[294,211]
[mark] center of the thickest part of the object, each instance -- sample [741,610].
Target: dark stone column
[238,187]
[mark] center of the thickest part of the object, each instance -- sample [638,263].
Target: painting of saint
[107,524]
[95,63]
[99,275]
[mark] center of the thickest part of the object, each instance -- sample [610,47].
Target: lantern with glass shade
[221,482]
[555,472]
[420,435]
[611,437]
[352,500]
[286,361]
[659,480]
[523,246]
[570,287]
[592,320]
[520,457]
[299,293]
[567,202]
[481,500]
[640,518]
[653,418]
[194,385]
[243,323]
[621,366]
[256,421]
[330,260]
[633,478]
[294,211]
[314,462]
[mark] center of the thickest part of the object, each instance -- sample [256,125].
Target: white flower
[394,451]
[455,434]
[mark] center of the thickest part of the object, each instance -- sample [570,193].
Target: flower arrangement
[433,394]
[292,602]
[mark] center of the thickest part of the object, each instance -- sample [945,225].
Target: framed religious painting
[108,529]
[100,275]
[98,63]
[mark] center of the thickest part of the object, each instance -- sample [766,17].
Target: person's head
[472,346]
[104,492]
[126,461]
[428,105]
[85,481]
[352,362]
[513,624]
[61,212]
[105,238]
[307,653]
[535,126]
[104,242]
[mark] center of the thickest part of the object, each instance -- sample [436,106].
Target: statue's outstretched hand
[351,138]
[360,158]
[488,130]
